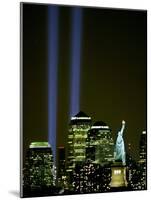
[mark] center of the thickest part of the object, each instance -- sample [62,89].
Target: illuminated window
[116,172]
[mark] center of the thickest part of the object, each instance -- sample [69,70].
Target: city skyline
[96,125]
[84,87]
[86,173]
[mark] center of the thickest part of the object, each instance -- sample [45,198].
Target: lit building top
[86,118]
[100,125]
[100,145]
[80,117]
[39,145]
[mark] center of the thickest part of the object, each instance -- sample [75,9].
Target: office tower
[130,165]
[143,159]
[61,172]
[39,171]
[132,170]
[76,144]
[61,161]
[100,145]
[143,148]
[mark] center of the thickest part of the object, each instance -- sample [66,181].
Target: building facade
[100,145]
[39,170]
[143,160]
[76,145]
[61,170]
[91,178]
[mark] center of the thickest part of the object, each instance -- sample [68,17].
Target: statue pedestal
[118,177]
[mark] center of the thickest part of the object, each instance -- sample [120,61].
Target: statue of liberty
[119,153]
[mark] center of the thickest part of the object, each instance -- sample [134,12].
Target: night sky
[113,71]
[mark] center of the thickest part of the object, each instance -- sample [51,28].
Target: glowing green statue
[120,147]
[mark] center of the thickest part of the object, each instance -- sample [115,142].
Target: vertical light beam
[75,60]
[53,17]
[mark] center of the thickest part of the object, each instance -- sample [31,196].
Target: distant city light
[98,127]
[39,145]
[76,118]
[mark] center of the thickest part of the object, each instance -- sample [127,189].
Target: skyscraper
[76,145]
[143,159]
[61,172]
[100,145]
[39,169]
[130,165]
[143,148]
[61,161]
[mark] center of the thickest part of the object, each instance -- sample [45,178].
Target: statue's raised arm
[123,127]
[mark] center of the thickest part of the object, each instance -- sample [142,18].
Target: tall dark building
[132,170]
[61,170]
[39,171]
[100,145]
[143,159]
[143,148]
[76,145]
[137,171]
[130,165]
[61,161]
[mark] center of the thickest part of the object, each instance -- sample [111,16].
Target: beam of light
[53,17]
[75,60]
